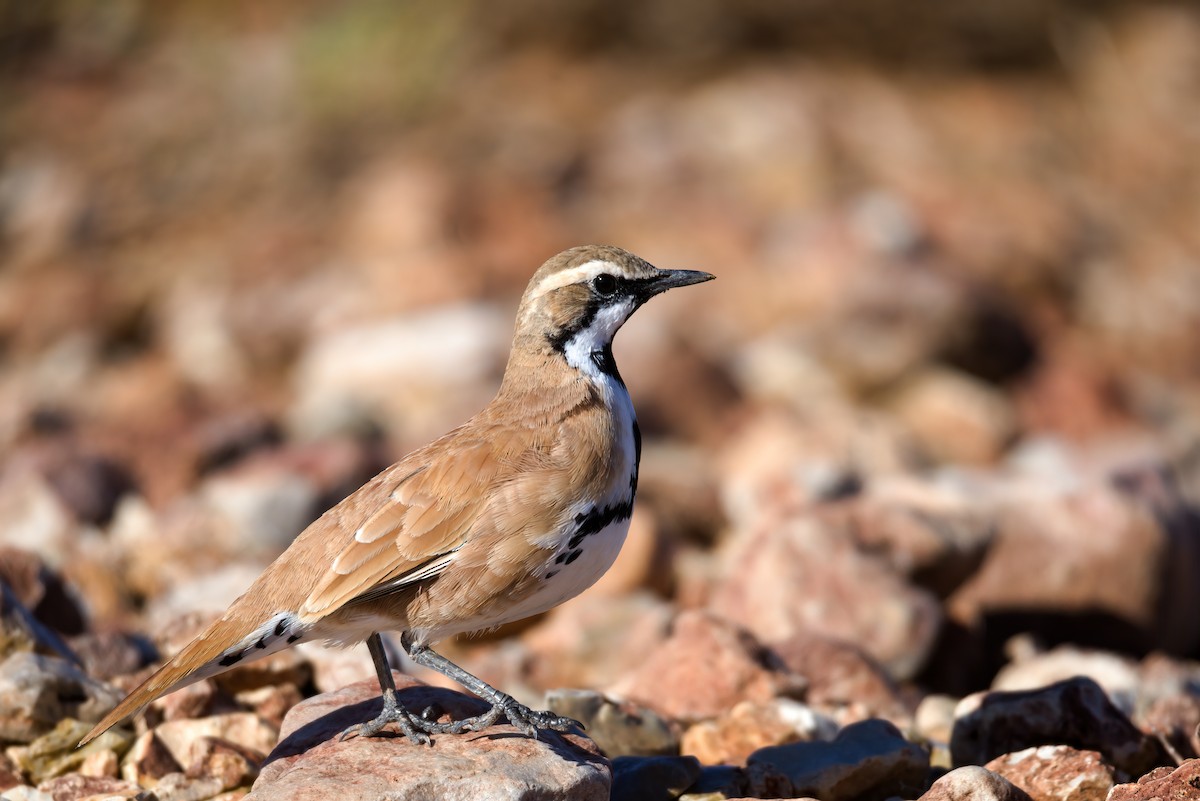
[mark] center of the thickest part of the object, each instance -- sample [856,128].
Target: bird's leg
[415,729]
[526,719]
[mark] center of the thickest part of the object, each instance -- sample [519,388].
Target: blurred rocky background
[934,432]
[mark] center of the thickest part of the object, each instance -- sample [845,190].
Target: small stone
[232,765]
[76,787]
[101,763]
[955,417]
[106,655]
[842,679]
[1177,720]
[660,778]
[21,632]
[198,700]
[10,774]
[749,726]
[1118,675]
[36,692]
[1162,784]
[178,787]
[148,761]
[619,728]
[271,703]
[973,783]
[867,760]
[56,752]
[705,667]
[183,738]
[1075,712]
[1051,772]
[26,793]
[313,763]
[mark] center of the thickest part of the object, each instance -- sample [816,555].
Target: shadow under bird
[510,514]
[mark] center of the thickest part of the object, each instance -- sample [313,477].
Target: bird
[513,512]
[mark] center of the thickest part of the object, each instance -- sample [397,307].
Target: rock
[618,728]
[266,503]
[594,642]
[1175,719]
[186,738]
[42,591]
[973,783]
[178,787]
[57,752]
[867,760]
[34,516]
[232,765]
[400,373]
[36,692]
[716,783]
[1162,784]
[10,774]
[1117,675]
[76,787]
[660,778]
[271,703]
[816,569]
[1110,591]
[843,681]
[312,762]
[20,631]
[954,417]
[1052,772]
[932,724]
[26,793]
[334,668]
[934,532]
[198,700]
[1075,712]
[101,763]
[749,726]
[148,761]
[705,667]
[108,654]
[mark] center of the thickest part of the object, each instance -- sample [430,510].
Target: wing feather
[414,533]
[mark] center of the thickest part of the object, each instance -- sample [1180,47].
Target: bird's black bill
[670,279]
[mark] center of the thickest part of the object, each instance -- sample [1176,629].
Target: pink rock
[1053,772]
[800,575]
[973,783]
[313,763]
[704,668]
[1162,784]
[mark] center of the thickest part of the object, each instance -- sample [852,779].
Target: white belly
[561,581]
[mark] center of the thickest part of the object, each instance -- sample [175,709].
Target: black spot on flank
[280,628]
[574,555]
[558,560]
[293,638]
[231,659]
[551,574]
[262,643]
[588,523]
[637,457]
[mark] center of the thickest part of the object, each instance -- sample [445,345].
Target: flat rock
[1054,772]
[867,760]
[973,783]
[311,762]
[1162,784]
[1075,712]
[75,787]
[704,668]
[843,680]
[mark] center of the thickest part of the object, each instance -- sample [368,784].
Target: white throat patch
[596,337]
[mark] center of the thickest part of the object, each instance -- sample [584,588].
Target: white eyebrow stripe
[575,275]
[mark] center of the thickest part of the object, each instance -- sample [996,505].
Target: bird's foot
[416,729]
[528,721]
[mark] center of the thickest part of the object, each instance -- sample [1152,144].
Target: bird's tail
[205,656]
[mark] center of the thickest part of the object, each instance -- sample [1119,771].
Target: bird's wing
[414,532]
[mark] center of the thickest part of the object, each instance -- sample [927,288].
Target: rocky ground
[919,514]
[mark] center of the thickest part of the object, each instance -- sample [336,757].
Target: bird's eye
[604,284]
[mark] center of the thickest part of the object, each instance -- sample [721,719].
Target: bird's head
[577,300]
